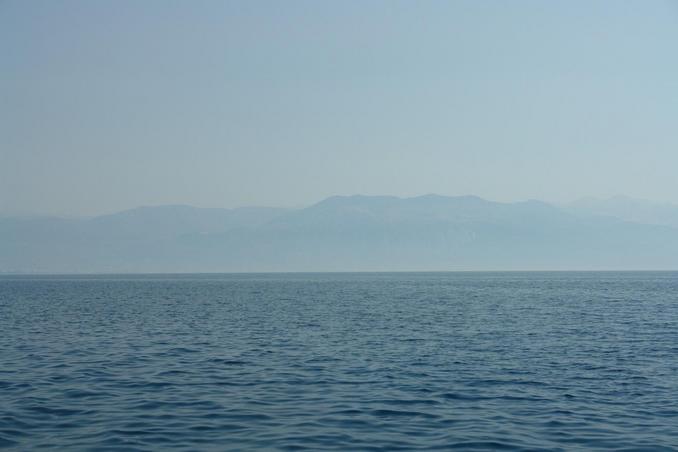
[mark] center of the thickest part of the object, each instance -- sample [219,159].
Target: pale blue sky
[107,105]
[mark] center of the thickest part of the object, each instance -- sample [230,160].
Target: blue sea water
[394,361]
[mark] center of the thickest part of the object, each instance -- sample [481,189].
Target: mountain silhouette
[344,233]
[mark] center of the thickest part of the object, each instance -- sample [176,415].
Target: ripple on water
[513,361]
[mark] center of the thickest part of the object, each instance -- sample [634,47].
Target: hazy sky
[106,105]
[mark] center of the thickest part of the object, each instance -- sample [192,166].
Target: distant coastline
[351,233]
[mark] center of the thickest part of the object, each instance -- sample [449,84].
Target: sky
[109,105]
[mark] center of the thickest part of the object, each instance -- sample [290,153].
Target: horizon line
[336,272]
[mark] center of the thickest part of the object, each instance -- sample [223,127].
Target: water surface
[421,361]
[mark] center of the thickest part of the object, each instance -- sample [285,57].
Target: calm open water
[538,361]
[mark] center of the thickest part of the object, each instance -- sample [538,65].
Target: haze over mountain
[630,209]
[351,233]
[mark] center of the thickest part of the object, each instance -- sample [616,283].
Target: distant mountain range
[352,233]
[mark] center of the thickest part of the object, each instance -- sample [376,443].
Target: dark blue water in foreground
[555,361]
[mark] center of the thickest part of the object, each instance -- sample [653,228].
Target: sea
[347,361]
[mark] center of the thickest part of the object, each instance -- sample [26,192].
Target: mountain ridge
[340,233]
